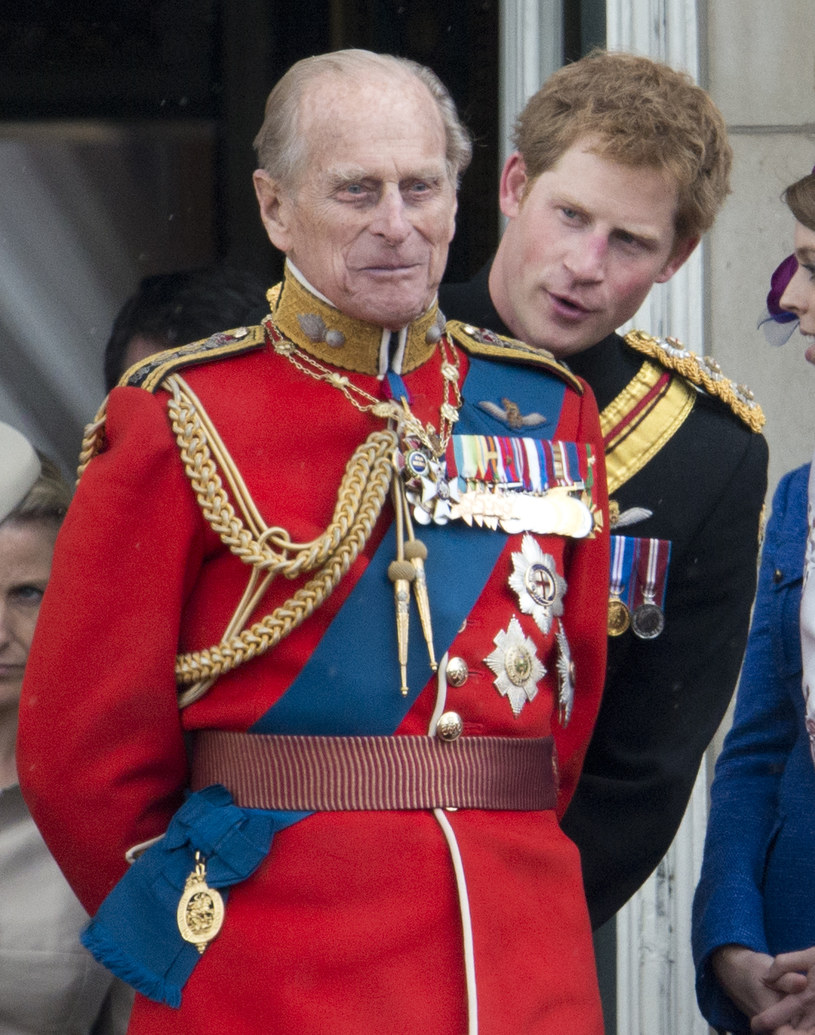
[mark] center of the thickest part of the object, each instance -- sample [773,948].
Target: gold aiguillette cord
[401,573]
[416,553]
[407,569]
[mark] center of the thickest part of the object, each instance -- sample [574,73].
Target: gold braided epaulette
[702,372]
[482,342]
[149,373]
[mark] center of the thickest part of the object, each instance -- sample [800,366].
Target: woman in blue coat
[754,903]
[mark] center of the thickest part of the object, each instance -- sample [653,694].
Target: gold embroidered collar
[331,336]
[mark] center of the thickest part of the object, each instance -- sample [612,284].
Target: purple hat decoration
[777,323]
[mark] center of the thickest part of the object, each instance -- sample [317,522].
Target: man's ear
[513,185]
[681,253]
[275,209]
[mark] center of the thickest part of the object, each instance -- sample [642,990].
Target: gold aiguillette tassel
[401,572]
[416,553]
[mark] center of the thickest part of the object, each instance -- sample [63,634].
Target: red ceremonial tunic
[432,922]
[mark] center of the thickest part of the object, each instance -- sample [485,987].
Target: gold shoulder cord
[269,551]
[93,439]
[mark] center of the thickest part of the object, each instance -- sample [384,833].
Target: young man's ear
[275,209]
[512,187]
[680,255]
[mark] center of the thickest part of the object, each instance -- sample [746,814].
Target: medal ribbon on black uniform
[622,555]
[651,565]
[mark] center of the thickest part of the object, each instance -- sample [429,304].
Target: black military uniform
[703,491]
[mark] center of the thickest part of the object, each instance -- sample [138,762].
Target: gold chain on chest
[388,409]
[407,570]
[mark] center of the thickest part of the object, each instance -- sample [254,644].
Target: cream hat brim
[19,468]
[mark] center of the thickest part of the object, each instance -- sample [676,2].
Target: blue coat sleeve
[728,905]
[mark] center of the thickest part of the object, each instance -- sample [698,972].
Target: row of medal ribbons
[639,580]
[529,464]
[523,484]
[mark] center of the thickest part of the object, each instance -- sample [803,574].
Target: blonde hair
[46,500]
[640,113]
[281,147]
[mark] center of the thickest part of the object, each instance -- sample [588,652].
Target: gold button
[457,672]
[449,726]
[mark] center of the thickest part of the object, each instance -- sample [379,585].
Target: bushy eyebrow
[345,174]
[340,175]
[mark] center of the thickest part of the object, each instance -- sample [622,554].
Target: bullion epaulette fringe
[482,342]
[701,371]
[150,373]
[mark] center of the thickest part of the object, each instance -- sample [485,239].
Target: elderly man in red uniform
[325,635]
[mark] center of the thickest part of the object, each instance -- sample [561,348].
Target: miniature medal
[535,580]
[648,618]
[200,912]
[619,617]
[551,513]
[522,485]
[580,518]
[516,666]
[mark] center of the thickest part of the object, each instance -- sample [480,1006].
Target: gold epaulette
[150,372]
[701,371]
[481,342]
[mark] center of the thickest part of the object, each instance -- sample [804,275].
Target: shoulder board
[482,342]
[703,372]
[151,372]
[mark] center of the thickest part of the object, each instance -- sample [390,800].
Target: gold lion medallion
[200,913]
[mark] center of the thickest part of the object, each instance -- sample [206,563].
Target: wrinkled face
[26,549]
[584,243]
[799,295]
[371,217]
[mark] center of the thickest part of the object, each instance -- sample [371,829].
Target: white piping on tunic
[466,922]
[458,868]
[441,695]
